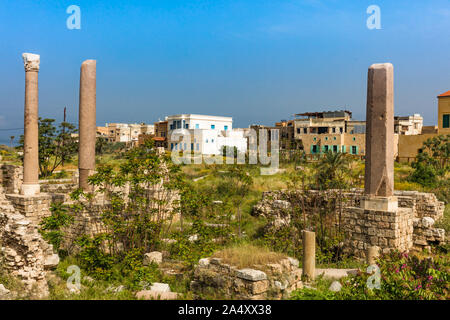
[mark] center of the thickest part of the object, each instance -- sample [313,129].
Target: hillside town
[312,132]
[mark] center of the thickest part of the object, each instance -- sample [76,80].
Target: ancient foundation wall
[271,281]
[364,228]
[386,229]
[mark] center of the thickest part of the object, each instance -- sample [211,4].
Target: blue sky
[257,61]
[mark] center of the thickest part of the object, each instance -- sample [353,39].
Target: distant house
[208,134]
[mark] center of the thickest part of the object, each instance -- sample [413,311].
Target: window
[314,148]
[354,150]
[197,126]
[192,146]
[213,126]
[314,138]
[325,148]
[197,146]
[446,121]
[186,126]
[334,138]
[354,139]
[326,138]
[335,148]
[341,130]
[212,140]
[225,128]
[298,130]
[171,146]
[333,130]
[305,130]
[206,140]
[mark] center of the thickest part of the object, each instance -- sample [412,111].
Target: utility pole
[64,131]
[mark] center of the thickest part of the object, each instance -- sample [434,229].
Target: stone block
[251,274]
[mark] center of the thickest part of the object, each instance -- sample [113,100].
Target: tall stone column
[87,123]
[379,171]
[30,184]
[309,254]
[378,225]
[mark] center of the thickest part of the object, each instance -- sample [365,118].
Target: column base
[379,203]
[30,189]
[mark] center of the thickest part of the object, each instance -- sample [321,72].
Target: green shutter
[356,150]
[446,121]
[312,149]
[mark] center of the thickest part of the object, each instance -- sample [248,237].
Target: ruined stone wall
[86,222]
[425,234]
[11,177]
[23,251]
[271,281]
[392,230]
[385,229]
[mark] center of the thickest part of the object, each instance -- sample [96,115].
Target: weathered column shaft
[309,254]
[87,122]
[30,184]
[379,170]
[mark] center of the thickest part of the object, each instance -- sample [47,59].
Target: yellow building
[409,146]
[444,113]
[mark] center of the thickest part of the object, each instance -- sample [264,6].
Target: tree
[56,145]
[142,198]
[330,169]
[432,161]
[238,182]
[100,145]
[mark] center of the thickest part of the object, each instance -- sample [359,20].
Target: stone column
[30,184]
[309,254]
[87,123]
[373,253]
[379,170]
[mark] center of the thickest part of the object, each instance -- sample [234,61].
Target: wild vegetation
[212,216]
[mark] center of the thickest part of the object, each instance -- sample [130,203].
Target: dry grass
[246,255]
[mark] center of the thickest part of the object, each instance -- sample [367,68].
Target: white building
[409,125]
[203,134]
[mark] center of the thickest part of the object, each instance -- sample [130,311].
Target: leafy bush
[403,277]
[51,227]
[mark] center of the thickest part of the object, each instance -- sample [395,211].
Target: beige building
[319,132]
[444,113]
[128,133]
[410,146]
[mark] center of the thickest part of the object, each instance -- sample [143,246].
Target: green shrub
[403,277]
[51,227]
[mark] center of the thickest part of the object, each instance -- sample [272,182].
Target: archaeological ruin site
[373,221]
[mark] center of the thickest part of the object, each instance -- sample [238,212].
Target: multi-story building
[128,133]
[409,125]
[287,134]
[318,132]
[208,134]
